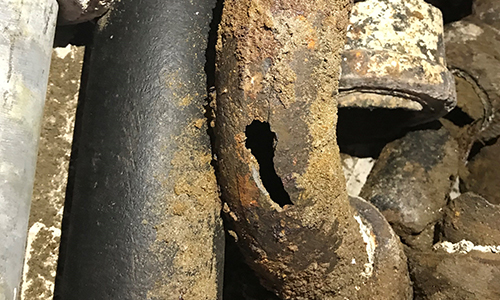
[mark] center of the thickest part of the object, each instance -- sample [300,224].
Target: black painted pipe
[144,219]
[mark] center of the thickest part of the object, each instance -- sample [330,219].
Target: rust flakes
[357,61]
[248,191]
[189,214]
[414,14]
[199,123]
[253,85]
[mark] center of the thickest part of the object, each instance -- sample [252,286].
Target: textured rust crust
[395,48]
[278,62]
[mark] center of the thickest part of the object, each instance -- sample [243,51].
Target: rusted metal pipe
[474,56]
[395,58]
[278,161]
[144,221]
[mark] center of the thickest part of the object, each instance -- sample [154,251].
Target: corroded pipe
[395,58]
[278,161]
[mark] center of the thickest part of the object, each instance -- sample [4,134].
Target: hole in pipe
[261,142]
[458,117]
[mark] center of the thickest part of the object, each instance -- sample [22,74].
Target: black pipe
[144,219]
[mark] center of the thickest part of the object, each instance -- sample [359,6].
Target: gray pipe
[25,50]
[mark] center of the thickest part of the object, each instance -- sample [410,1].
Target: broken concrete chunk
[356,171]
[394,58]
[473,218]
[78,11]
[411,179]
[483,173]
[438,275]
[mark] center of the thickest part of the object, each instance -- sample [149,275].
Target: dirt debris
[51,174]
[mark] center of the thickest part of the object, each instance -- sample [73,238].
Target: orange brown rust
[278,63]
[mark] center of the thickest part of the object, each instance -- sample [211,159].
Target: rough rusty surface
[51,174]
[411,179]
[395,48]
[190,222]
[277,62]
[471,217]
[240,281]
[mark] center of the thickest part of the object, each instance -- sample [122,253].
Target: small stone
[473,218]
[438,275]
[422,241]
[412,178]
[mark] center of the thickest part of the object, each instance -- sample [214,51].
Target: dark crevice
[458,117]
[70,185]
[240,281]
[78,34]
[261,142]
[477,146]
[364,132]
[432,125]
[453,10]
[210,56]
[438,229]
[212,41]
